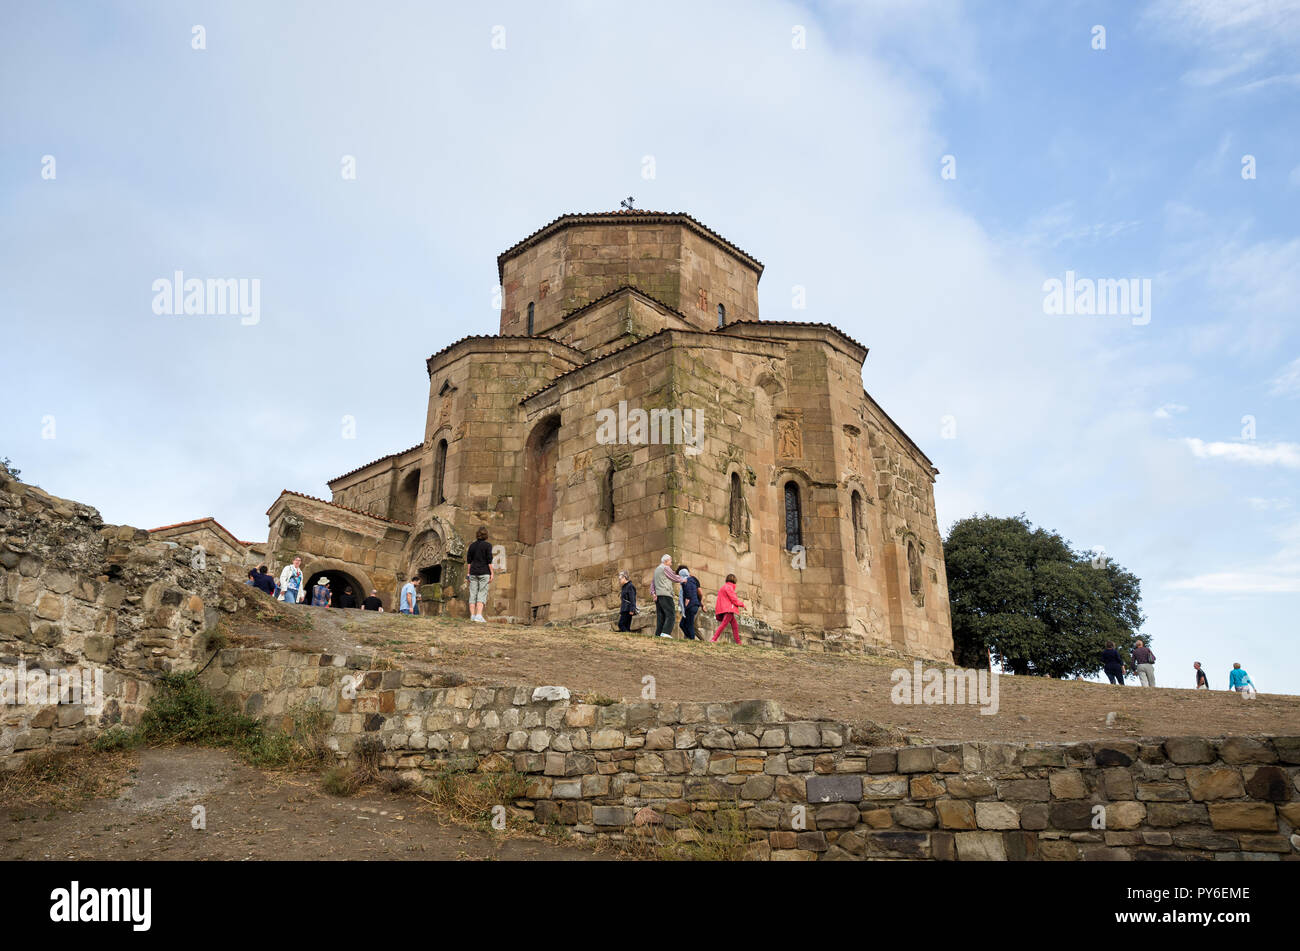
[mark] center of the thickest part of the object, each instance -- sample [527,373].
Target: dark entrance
[340,581]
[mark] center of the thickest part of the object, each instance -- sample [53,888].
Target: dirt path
[250,815]
[851,688]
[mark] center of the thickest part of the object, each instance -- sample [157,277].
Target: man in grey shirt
[662,588]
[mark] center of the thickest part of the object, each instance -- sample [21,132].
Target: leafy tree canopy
[1037,605]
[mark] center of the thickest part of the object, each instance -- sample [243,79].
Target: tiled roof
[792,323]
[391,455]
[303,495]
[200,521]
[635,216]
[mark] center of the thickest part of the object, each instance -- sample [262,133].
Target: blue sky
[824,162]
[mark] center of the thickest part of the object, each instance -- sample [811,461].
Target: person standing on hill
[662,585]
[1145,663]
[291,583]
[691,601]
[626,601]
[373,603]
[408,597]
[727,606]
[1202,681]
[479,556]
[1112,663]
[321,595]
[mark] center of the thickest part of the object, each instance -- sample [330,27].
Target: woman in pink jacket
[726,608]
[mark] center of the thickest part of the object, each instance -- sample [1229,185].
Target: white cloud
[1169,410]
[1287,382]
[1285,454]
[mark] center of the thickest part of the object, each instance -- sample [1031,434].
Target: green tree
[1037,605]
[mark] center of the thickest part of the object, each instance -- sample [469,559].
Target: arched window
[722,316]
[440,472]
[736,509]
[793,517]
[913,568]
[530,318]
[859,526]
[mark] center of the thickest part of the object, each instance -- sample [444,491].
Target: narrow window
[736,510]
[530,318]
[793,517]
[440,472]
[859,526]
[722,316]
[609,495]
[913,568]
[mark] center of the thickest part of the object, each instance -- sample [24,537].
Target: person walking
[691,601]
[479,556]
[727,606]
[408,599]
[373,603]
[1145,663]
[1238,679]
[321,596]
[291,583]
[1112,663]
[626,601]
[662,586]
[1202,681]
[347,599]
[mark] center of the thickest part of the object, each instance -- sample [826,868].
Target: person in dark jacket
[691,602]
[1112,663]
[263,581]
[627,602]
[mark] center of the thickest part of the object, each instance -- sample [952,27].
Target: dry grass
[64,778]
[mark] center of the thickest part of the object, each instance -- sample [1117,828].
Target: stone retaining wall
[803,790]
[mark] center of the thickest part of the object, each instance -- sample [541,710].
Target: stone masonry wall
[76,594]
[804,790]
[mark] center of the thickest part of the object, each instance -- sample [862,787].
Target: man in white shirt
[662,588]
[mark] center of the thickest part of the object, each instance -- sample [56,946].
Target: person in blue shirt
[409,601]
[690,601]
[1238,679]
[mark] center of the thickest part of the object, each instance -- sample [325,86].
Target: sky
[915,172]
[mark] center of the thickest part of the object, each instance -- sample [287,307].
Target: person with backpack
[691,602]
[726,607]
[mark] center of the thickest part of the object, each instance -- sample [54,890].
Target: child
[726,608]
[626,602]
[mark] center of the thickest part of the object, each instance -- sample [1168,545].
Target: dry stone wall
[801,790]
[82,597]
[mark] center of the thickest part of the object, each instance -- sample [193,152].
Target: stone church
[633,404]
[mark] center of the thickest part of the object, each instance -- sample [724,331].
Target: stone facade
[659,313]
[803,790]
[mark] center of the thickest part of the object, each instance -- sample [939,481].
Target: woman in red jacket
[726,608]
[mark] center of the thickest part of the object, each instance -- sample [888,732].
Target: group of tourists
[291,588]
[726,605]
[1144,665]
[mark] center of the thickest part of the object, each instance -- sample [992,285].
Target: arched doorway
[340,582]
[536,518]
